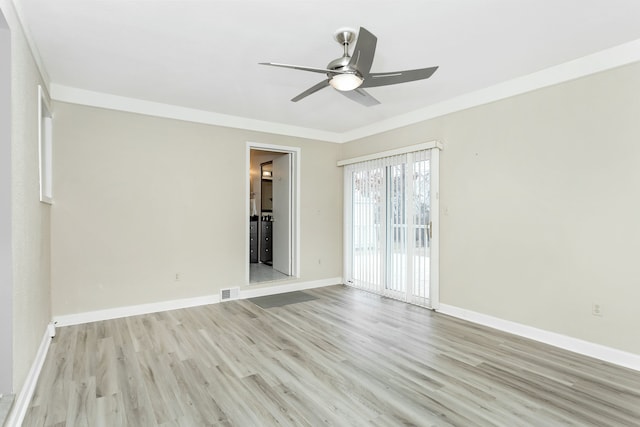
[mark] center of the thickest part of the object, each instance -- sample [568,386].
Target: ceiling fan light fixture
[345,82]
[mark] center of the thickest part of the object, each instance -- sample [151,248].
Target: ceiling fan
[351,74]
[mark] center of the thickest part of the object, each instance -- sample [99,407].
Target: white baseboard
[597,351]
[21,404]
[134,310]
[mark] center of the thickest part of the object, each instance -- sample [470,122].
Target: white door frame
[295,205]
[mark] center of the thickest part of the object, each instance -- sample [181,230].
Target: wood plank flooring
[347,358]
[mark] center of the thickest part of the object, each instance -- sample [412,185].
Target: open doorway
[273,213]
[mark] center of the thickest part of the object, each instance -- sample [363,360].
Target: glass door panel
[395,285]
[367,228]
[421,225]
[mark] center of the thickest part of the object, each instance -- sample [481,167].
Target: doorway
[272,194]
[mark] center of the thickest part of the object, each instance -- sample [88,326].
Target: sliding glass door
[389,226]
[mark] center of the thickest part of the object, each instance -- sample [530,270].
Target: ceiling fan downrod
[345,37]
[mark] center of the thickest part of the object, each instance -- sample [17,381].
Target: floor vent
[230,293]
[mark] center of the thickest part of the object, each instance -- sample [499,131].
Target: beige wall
[139,199]
[30,218]
[540,206]
[6,263]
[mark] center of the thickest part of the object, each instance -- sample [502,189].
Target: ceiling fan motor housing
[341,64]
[344,36]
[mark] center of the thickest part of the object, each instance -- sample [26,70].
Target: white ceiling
[204,54]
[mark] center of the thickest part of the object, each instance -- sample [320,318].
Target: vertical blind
[387,203]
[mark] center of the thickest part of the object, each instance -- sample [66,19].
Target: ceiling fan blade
[312,89]
[384,79]
[298,67]
[364,51]
[361,97]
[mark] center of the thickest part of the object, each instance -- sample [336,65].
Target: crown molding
[149,108]
[617,56]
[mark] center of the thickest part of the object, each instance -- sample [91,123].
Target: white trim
[51,329]
[247,209]
[157,109]
[598,351]
[395,152]
[20,406]
[273,147]
[616,56]
[133,310]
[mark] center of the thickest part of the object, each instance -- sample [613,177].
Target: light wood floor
[348,358]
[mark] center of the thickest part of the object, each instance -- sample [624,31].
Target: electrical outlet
[597,309]
[178,277]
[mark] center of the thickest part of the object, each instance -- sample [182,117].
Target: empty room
[304,213]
